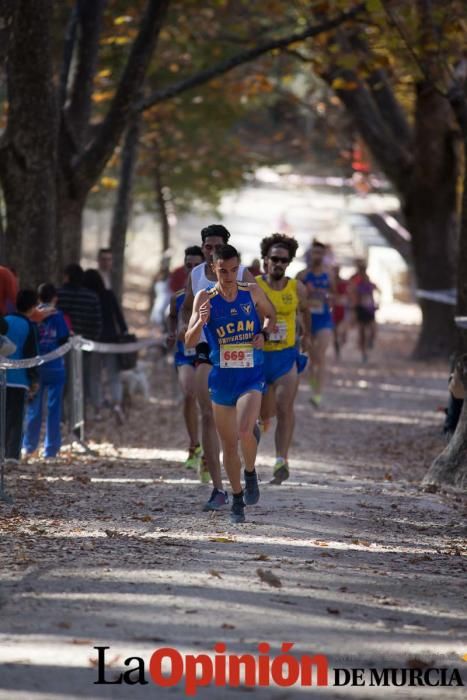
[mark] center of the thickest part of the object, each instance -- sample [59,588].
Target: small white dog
[135,382]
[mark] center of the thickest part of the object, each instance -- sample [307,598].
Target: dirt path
[114,551]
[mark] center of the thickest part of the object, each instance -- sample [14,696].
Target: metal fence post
[3,495]
[76,394]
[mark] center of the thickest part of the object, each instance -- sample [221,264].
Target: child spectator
[53,332]
[20,382]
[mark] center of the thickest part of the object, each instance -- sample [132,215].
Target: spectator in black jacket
[21,382]
[113,327]
[82,307]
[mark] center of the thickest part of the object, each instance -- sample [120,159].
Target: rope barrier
[76,345]
[443,296]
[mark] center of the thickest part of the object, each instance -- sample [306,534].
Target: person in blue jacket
[53,332]
[21,382]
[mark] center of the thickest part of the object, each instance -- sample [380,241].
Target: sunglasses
[277,259]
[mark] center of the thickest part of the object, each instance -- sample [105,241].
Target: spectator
[113,327]
[20,382]
[82,307]
[161,296]
[53,332]
[104,265]
[80,304]
[8,291]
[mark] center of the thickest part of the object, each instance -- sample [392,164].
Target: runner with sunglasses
[202,277]
[229,314]
[282,360]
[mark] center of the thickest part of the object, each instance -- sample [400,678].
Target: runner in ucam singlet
[320,288]
[202,277]
[184,360]
[282,360]
[228,312]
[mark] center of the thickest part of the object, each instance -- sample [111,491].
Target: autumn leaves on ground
[348,558]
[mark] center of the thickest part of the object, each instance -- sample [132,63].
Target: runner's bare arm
[187,308]
[304,310]
[264,307]
[247,276]
[172,321]
[199,316]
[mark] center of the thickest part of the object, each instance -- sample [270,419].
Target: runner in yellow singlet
[282,360]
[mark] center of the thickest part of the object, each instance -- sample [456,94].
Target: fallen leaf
[214,573]
[269,577]
[333,611]
[261,557]
[418,663]
[226,626]
[228,540]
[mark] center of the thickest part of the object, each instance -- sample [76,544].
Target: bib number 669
[234,355]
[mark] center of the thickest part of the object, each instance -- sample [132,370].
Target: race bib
[189,352]
[317,306]
[236,356]
[280,333]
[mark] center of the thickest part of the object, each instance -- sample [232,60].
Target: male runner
[282,361]
[229,314]
[203,277]
[320,287]
[361,290]
[185,363]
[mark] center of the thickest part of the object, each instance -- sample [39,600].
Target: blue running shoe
[251,493]
[217,500]
[237,512]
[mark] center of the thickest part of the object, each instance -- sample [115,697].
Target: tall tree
[81,149]
[450,467]
[418,152]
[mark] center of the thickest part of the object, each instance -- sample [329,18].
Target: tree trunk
[28,153]
[429,208]
[162,204]
[123,204]
[450,467]
[69,226]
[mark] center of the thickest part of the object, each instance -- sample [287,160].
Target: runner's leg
[226,423]
[285,390]
[248,407]
[209,437]
[186,378]
[321,342]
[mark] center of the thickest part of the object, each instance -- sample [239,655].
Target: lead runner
[229,314]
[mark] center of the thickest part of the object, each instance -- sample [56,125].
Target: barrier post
[76,393]
[3,495]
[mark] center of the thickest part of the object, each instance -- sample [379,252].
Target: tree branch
[395,160]
[245,57]
[78,109]
[390,108]
[91,163]
[68,49]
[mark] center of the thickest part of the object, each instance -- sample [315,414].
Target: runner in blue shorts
[228,313]
[185,364]
[282,360]
[319,282]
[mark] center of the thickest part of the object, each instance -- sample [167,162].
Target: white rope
[79,342]
[443,296]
